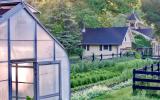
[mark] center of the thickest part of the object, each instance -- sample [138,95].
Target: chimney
[82,25]
[83,30]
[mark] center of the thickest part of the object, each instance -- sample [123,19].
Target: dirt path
[97,90]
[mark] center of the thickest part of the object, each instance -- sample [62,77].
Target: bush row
[85,66]
[93,76]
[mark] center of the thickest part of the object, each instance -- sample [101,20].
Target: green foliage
[105,72]
[63,18]
[29,98]
[85,66]
[140,41]
[138,55]
[91,77]
[152,13]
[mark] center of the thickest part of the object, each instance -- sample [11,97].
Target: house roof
[133,16]
[104,36]
[147,32]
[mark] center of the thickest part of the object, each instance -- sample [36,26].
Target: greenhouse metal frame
[32,62]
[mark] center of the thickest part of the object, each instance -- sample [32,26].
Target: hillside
[65,19]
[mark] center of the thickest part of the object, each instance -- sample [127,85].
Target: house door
[49,80]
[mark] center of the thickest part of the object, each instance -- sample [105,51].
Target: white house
[137,27]
[106,41]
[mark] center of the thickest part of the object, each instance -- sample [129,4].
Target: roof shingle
[147,32]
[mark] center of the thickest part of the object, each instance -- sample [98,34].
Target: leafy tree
[66,19]
[152,13]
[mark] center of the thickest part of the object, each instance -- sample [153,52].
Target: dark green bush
[85,66]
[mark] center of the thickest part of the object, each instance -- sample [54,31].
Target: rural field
[80,49]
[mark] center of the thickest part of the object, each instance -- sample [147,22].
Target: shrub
[85,66]
[138,55]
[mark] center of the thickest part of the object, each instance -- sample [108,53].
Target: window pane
[62,56]
[42,34]
[25,90]
[105,47]
[4,90]
[22,50]
[45,50]
[23,26]
[100,47]
[24,74]
[110,47]
[48,79]
[3,50]
[3,30]
[3,71]
[88,47]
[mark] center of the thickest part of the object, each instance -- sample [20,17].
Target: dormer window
[125,39]
[132,25]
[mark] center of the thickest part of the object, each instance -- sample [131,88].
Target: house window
[105,47]
[132,25]
[110,47]
[100,47]
[87,47]
[84,46]
[125,39]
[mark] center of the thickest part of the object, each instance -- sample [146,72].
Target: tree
[152,13]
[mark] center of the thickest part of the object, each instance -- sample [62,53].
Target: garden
[100,80]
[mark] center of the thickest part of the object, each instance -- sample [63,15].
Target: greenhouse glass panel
[4,90]
[3,42]
[3,81]
[22,50]
[3,31]
[61,55]
[44,41]
[3,50]
[23,26]
[49,79]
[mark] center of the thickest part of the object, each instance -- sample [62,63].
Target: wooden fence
[104,57]
[143,77]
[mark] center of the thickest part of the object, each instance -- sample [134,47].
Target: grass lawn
[123,94]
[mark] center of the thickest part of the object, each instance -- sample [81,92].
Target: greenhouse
[32,62]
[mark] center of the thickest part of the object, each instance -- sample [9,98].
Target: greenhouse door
[22,80]
[49,81]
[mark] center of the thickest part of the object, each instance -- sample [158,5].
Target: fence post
[120,54]
[127,54]
[101,57]
[112,55]
[134,54]
[158,70]
[142,54]
[158,67]
[152,67]
[145,68]
[81,57]
[93,57]
[133,85]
